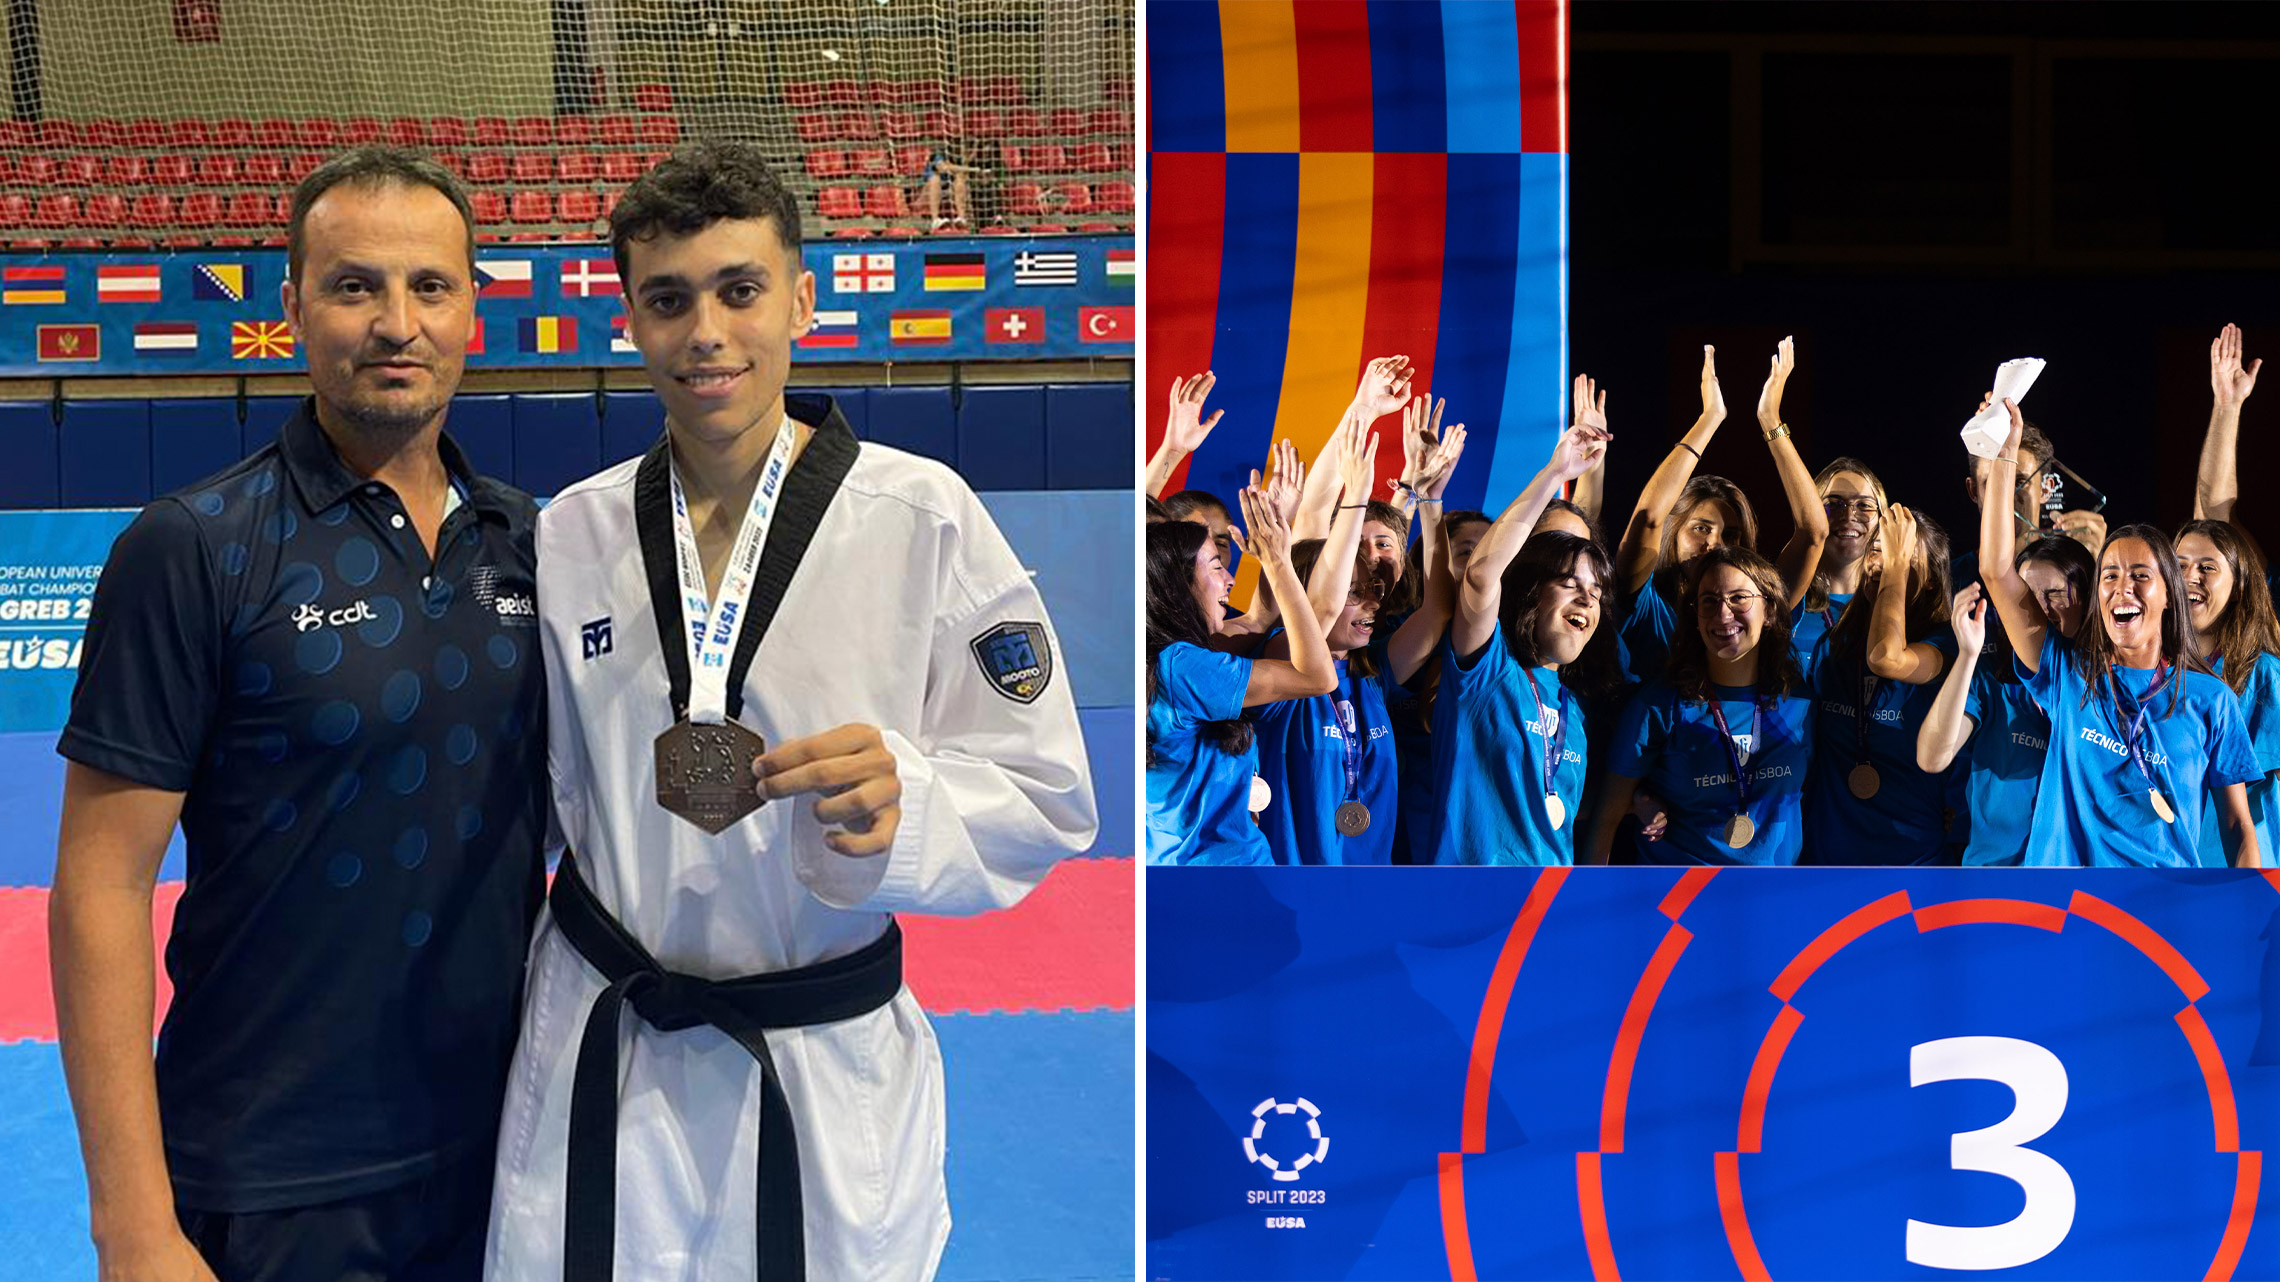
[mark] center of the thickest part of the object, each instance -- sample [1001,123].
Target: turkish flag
[1104,324]
[1016,324]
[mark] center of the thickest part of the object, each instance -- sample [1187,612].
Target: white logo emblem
[1259,1128]
[307,616]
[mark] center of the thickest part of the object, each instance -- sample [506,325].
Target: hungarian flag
[71,343]
[1120,267]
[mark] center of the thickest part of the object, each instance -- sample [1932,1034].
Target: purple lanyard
[2137,730]
[1353,751]
[1553,737]
[1734,754]
[1860,710]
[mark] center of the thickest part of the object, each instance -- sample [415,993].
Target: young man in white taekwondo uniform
[796,685]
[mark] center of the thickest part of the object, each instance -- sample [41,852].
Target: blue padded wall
[192,439]
[28,445]
[1001,438]
[104,454]
[557,440]
[1088,436]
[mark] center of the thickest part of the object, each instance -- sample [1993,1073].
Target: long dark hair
[1404,595]
[1174,618]
[2063,554]
[1817,595]
[1778,672]
[1366,580]
[1547,557]
[2246,628]
[1700,490]
[1928,596]
[2179,643]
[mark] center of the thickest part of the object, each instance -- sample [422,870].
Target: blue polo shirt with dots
[360,735]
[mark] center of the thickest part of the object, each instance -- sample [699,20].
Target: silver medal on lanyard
[2135,733]
[1352,817]
[704,762]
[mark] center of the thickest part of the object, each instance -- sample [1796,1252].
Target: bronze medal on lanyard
[1741,829]
[1863,780]
[704,759]
[1351,817]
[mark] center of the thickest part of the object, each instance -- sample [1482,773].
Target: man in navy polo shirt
[323,663]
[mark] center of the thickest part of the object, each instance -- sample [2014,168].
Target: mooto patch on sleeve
[1017,659]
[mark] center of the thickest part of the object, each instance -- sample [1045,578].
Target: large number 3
[2038,1089]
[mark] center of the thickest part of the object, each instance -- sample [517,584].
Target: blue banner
[1795,1073]
[49,562]
[560,306]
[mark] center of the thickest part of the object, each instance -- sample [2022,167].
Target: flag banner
[979,298]
[1669,1073]
[70,343]
[1120,267]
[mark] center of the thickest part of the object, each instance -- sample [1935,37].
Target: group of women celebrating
[1512,693]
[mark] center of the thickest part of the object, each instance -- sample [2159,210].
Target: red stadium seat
[1076,198]
[858,126]
[1092,229]
[447,131]
[186,133]
[15,135]
[105,134]
[263,168]
[1011,158]
[171,171]
[1046,158]
[80,171]
[107,209]
[532,207]
[1120,154]
[55,135]
[218,170]
[489,206]
[623,166]
[1025,199]
[984,124]
[284,212]
[1091,157]
[1066,121]
[837,233]
[814,128]
[15,210]
[616,131]
[301,163]
[1115,198]
[125,171]
[56,211]
[203,209]
[870,162]
[828,163]
[37,171]
[803,94]
[577,166]
[911,161]
[276,135]
[534,131]
[659,131]
[532,168]
[1024,122]
[455,161]
[653,97]
[487,167]
[491,131]
[574,131]
[317,133]
[839,202]
[843,93]
[408,131]
[899,124]
[609,203]
[934,122]
[251,209]
[362,131]
[1109,122]
[230,131]
[580,206]
[230,242]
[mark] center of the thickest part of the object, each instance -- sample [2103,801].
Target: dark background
[1919,192]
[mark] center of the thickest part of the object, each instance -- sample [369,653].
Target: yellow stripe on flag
[1258,40]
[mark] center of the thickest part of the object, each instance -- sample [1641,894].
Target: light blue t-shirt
[1199,797]
[1643,638]
[1807,627]
[2094,809]
[2009,739]
[1488,761]
[1302,756]
[2260,711]
[1906,821]
[1672,747]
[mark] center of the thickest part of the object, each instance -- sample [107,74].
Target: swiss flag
[1016,324]
[1104,324]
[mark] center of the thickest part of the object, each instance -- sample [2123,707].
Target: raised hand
[1590,404]
[1442,463]
[1579,447]
[1355,469]
[1184,426]
[1777,378]
[1713,398]
[1652,814]
[1420,433]
[2227,379]
[1385,386]
[2018,425]
[1968,616]
[1899,537]
[1285,481]
[1268,535]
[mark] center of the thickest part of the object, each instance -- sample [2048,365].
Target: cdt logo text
[1282,1170]
[308,617]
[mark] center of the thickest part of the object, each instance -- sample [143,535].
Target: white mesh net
[188,121]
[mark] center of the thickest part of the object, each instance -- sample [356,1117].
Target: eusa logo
[2049,1158]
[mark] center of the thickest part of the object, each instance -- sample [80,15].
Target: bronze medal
[2161,807]
[1353,818]
[1739,831]
[704,772]
[1863,781]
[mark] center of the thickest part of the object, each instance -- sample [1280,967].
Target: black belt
[826,993]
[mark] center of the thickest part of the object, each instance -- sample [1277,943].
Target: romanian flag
[925,328]
[955,271]
[20,285]
[547,335]
[260,341]
[71,343]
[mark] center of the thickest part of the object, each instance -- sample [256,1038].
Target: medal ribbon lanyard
[2137,730]
[1553,736]
[1348,727]
[1733,750]
[1868,684]
[710,627]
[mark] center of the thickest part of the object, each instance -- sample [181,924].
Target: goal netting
[187,122]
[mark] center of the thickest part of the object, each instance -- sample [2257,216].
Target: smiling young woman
[2231,607]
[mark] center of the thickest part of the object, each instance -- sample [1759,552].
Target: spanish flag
[260,341]
[548,335]
[923,327]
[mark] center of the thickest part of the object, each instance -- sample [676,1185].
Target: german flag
[955,271]
[930,328]
[260,341]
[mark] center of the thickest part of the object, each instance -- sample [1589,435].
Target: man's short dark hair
[1187,503]
[702,183]
[371,166]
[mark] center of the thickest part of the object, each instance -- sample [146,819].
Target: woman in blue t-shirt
[1681,516]
[2231,607]
[1983,705]
[1501,695]
[1202,760]
[1720,748]
[2140,731]
[1867,802]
